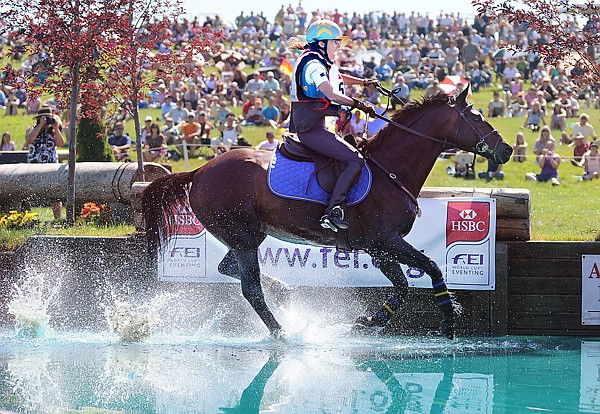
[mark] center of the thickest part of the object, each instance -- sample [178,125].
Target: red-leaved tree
[88,53]
[135,65]
[564,32]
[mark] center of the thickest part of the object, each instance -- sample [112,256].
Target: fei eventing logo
[467,221]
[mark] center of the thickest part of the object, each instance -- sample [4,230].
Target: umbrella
[449,83]
[366,56]
[504,53]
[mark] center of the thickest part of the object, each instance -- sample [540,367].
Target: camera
[50,120]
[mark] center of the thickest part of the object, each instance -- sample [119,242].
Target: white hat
[148,118]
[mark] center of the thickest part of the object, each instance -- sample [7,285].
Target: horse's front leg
[389,256]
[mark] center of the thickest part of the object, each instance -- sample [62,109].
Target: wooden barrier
[101,182]
[513,207]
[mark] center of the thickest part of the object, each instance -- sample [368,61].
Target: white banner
[457,233]
[590,289]
[589,391]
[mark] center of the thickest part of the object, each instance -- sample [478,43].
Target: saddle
[298,173]
[327,169]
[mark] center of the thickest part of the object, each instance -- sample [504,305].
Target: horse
[230,197]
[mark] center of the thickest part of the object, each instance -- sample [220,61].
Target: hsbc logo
[468,214]
[467,221]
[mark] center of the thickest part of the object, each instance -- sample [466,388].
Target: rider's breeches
[324,142]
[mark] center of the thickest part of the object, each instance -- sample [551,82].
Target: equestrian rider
[316,85]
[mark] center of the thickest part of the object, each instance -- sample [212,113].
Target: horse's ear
[461,99]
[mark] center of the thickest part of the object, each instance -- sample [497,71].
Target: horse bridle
[481,147]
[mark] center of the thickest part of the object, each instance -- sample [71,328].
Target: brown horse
[229,195]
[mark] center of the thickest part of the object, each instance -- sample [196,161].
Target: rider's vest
[309,105]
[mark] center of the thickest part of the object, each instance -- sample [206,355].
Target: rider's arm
[332,95]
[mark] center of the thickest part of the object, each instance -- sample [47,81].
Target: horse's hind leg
[399,250]
[247,260]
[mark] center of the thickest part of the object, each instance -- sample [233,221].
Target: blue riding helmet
[323,30]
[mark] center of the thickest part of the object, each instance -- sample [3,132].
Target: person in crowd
[548,162]
[230,132]
[270,114]
[583,127]
[558,118]
[317,79]
[170,131]
[42,140]
[146,129]
[167,106]
[155,146]
[342,124]
[358,124]
[402,96]
[120,142]
[580,147]
[591,162]
[535,117]
[550,92]
[178,114]
[7,143]
[12,103]
[383,71]
[496,106]
[540,143]
[271,85]
[189,131]
[520,148]
[518,106]
[255,85]
[270,143]
[464,162]
[493,172]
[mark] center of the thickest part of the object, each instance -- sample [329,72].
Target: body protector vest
[309,105]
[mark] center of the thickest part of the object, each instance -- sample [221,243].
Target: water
[71,371]
[150,358]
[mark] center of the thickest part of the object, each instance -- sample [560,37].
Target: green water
[73,372]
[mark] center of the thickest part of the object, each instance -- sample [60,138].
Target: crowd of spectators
[252,69]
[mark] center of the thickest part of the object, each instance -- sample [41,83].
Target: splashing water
[29,305]
[134,323]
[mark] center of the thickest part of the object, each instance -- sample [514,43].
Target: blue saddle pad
[294,179]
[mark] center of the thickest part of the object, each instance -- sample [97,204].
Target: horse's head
[475,134]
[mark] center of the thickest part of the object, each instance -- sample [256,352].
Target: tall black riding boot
[334,217]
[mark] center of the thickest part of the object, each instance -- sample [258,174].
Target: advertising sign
[590,289]
[589,392]
[457,233]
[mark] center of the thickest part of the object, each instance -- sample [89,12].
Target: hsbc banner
[457,233]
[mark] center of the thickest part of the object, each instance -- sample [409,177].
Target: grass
[568,212]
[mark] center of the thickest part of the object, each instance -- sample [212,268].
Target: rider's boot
[334,217]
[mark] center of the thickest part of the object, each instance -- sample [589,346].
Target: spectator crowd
[251,68]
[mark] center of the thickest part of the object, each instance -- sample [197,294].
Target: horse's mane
[407,110]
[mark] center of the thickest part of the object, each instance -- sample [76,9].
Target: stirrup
[334,220]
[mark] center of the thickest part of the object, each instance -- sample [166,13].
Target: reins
[480,148]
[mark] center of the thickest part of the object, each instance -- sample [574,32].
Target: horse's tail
[160,203]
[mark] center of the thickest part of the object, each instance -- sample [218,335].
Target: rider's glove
[371,83]
[366,107]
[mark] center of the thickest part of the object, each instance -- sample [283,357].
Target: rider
[316,84]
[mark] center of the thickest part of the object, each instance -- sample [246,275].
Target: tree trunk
[72,146]
[138,142]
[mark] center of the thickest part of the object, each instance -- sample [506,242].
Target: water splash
[29,305]
[134,323]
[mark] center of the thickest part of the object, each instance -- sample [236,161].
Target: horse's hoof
[279,334]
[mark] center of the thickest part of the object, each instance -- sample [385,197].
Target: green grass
[568,212]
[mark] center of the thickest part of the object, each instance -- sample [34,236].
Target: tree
[100,49]
[66,39]
[136,66]
[554,28]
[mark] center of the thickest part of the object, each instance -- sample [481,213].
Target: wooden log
[511,203]
[101,182]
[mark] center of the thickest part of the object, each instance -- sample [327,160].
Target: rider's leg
[324,142]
